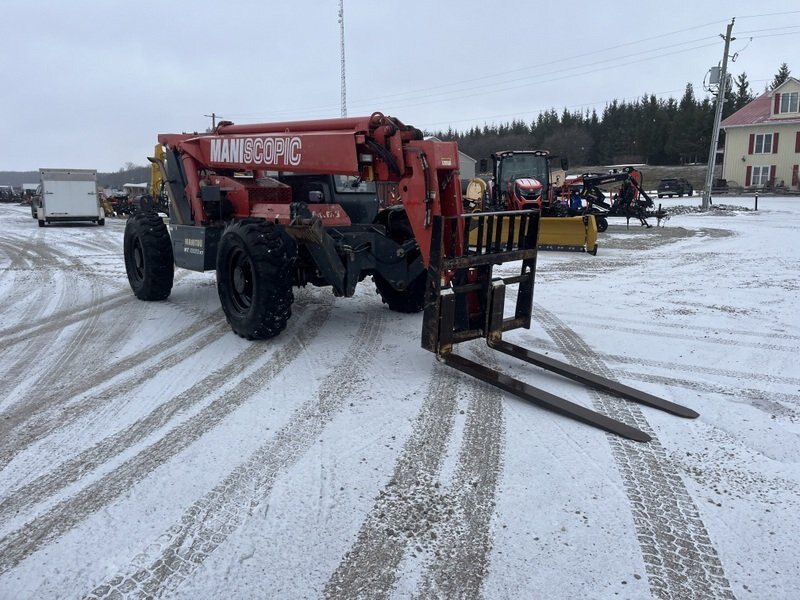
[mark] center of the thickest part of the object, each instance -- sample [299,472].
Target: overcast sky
[91,84]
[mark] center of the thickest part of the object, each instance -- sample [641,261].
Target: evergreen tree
[657,132]
[682,142]
[743,94]
[781,76]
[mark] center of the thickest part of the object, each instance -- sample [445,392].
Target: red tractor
[274,206]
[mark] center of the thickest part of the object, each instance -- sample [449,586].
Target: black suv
[674,186]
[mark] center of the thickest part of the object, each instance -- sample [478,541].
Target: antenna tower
[341,43]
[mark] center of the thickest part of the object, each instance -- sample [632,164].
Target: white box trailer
[68,195]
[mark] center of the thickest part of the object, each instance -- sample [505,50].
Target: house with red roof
[762,140]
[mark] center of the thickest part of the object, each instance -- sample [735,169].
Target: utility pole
[213,117]
[341,43]
[723,82]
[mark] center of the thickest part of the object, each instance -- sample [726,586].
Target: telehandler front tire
[149,261]
[411,299]
[254,278]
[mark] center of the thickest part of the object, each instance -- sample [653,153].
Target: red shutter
[772,175]
[777,103]
[748,176]
[775,143]
[797,142]
[752,143]
[795,175]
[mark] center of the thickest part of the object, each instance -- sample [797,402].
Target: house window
[790,103]
[760,176]
[763,143]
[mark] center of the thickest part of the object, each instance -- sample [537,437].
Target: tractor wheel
[254,278]
[602,223]
[411,299]
[149,260]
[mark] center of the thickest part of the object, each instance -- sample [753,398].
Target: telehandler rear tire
[254,278]
[602,223]
[149,261]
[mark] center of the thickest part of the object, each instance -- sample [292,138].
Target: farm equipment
[521,181]
[629,201]
[273,206]
[105,203]
[156,197]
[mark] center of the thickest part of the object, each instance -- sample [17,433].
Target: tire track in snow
[599,322]
[410,505]
[461,557]
[770,402]
[35,293]
[19,259]
[160,569]
[33,422]
[678,367]
[415,514]
[26,423]
[694,338]
[51,482]
[59,320]
[78,343]
[679,557]
[47,527]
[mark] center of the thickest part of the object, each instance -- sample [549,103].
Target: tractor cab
[523,179]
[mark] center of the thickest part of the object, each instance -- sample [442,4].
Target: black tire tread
[271,253]
[412,298]
[156,281]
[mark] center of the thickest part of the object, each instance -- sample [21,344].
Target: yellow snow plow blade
[568,233]
[555,233]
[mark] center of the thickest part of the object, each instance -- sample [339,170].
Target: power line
[495,88]
[499,82]
[775,14]
[427,90]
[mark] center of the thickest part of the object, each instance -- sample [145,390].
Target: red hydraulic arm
[375,148]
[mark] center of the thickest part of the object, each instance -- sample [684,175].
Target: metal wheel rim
[240,270]
[138,259]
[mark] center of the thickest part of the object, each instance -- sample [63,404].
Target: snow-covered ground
[146,451]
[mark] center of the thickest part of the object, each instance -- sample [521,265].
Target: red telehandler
[273,206]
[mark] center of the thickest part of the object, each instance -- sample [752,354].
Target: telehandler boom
[273,206]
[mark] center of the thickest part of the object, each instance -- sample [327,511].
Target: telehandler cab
[272,206]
